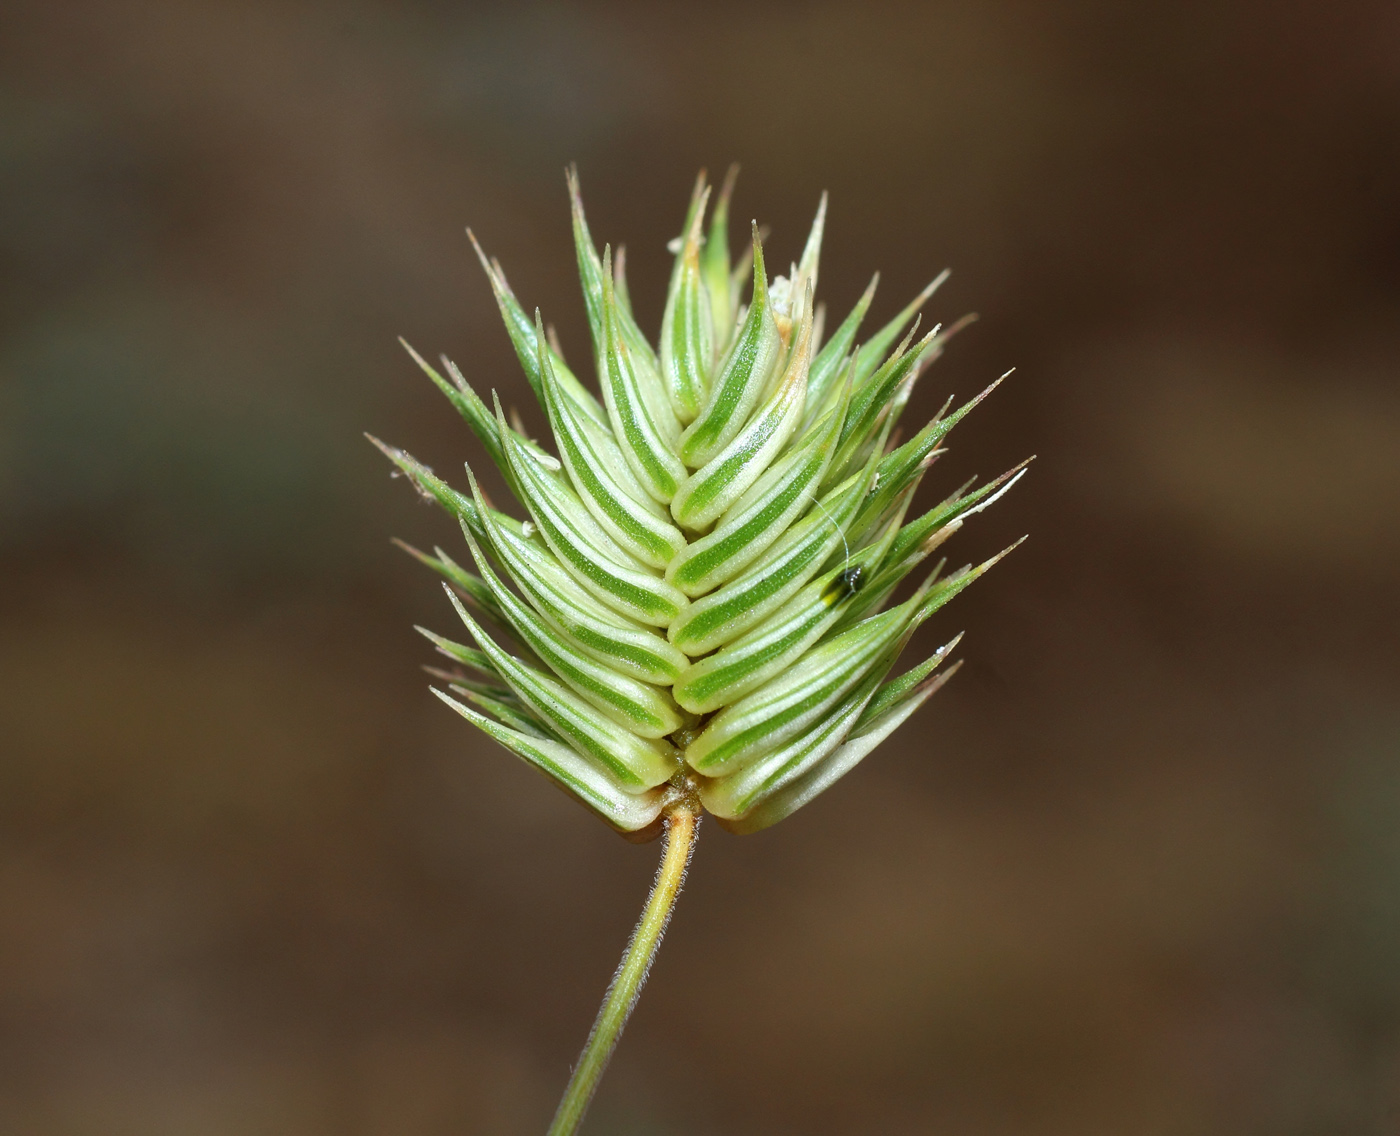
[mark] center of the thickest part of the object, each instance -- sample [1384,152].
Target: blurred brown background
[1136,871]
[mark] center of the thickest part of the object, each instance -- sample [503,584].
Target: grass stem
[681,827]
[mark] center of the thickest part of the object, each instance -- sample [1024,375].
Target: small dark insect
[844,585]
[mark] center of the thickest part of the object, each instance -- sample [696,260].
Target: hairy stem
[681,826]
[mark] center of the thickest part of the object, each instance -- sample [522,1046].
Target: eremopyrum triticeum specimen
[692,616]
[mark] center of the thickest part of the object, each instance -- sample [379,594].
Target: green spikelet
[693,602]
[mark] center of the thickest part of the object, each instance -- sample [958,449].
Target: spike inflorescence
[695,607]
